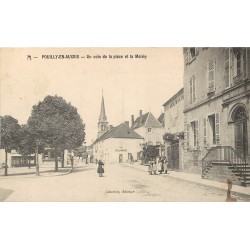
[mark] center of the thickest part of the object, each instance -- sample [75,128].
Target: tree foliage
[57,123]
[9,136]
[150,152]
[10,133]
[27,144]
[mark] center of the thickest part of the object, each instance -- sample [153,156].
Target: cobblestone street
[120,183]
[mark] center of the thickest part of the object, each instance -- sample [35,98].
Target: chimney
[127,123]
[132,120]
[140,116]
[110,127]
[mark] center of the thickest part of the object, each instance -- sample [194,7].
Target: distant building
[115,144]
[148,127]
[216,106]
[174,130]
[119,144]
[14,159]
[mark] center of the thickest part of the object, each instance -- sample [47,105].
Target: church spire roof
[102,116]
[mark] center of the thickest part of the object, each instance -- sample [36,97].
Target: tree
[9,137]
[27,145]
[150,152]
[57,122]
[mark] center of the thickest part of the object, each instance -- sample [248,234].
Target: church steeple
[102,123]
[102,116]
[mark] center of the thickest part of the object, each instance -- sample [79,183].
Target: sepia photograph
[155,124]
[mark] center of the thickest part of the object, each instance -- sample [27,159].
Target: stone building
[174,130]
[216,106]
[118,145]
[148,127]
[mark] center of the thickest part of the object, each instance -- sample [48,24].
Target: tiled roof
[138,123]
[161,118]
[148,120]
[120,131]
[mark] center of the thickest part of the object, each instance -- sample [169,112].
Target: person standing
[100,169]
[166,165]
[150,167]
[154,166]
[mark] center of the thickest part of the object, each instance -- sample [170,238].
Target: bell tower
[102,123]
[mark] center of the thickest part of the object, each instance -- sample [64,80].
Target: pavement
[121,182]
[45,170]
[196,178]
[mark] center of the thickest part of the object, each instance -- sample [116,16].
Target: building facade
[174,130]
[216,103]
[115,144]
[147,126]
[118,145]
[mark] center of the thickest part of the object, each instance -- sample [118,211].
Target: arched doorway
[239,117]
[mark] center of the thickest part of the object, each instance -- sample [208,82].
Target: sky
[128,84]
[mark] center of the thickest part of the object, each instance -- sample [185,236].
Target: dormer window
[149,130]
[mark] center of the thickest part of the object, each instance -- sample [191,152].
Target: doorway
[240,131]
[120,158]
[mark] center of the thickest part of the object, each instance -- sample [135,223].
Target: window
[149,130]
[211,75]
[212,129]
[194,127]
[192,89]
[190,54]
[235,65]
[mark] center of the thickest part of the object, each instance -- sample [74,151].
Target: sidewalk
[45,170]
[196,178]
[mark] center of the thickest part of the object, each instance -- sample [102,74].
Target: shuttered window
[217,128]
[192,89]
[186,56]
[211,75]
[205,130]
[227,67]
[196,140]
[187,135]
[195,133]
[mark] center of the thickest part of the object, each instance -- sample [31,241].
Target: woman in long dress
[154,166]
[100,169]
[165,165]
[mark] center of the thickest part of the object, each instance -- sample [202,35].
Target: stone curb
[19,176]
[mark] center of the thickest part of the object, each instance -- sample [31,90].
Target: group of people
[159,165]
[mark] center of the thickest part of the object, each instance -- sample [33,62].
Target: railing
[227,155]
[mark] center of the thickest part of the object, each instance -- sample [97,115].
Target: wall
[155,136]
[110,149]
[222,102]
[174,116]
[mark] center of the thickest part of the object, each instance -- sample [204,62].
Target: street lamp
[38,143]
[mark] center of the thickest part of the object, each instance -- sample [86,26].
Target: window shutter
[211,75]
[191,90]
[205,130]
[197,133]
[217,128]
[196,51]
[194,80]
[227,67]
[188,135]
[186,56]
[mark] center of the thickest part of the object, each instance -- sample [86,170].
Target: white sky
[128,84]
